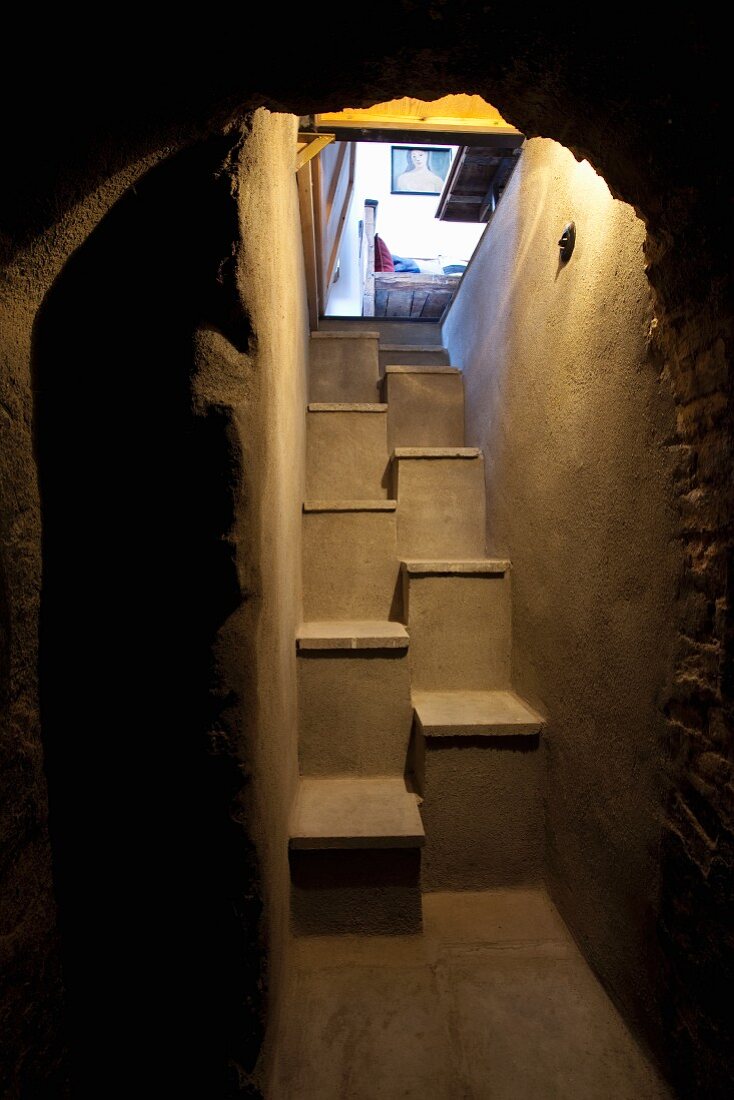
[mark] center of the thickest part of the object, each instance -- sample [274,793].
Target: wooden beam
[398,280]
[433,136]
[369,304]
[309,145]
[351,151]
[319,228]
[308,231]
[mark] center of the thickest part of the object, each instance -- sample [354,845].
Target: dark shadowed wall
[156,880]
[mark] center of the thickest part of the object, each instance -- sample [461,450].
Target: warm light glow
[592,185]
[458,112]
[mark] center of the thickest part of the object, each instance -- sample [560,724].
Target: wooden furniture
[400,295]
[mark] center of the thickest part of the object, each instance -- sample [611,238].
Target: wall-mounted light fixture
[567,241]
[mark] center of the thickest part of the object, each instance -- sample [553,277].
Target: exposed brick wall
[697,851]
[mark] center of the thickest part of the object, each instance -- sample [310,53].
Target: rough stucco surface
[576,423]
[146,769]
[271,278]
[185,398]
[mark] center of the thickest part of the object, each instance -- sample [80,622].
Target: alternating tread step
[352,634]
[426,404]
[474,714]
[391,330]
[421,354]
[349,505]
[345,407]
[482,567]
[436,452]
[354,334]
[396,368]
[344,367]
[441,501]
[430,349]
[355,813]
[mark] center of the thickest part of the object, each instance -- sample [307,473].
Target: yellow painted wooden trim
[309,145]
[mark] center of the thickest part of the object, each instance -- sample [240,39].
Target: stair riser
[354,713]
[350,566]
[441,507]
[460,632]
[361,891]
[425,410]
[347,456]
[345,370]
[389,330]
[358,864]
[419,358]
[482,812]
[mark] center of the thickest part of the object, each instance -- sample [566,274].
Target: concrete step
[414,354]
[346,451]
[350,567]
[352,634]
[441,501]
[459,620]
[355,857]
[474,714]
[425,406]
[379,812]
[476,765]
[354,707]
[344,367]
[391,331]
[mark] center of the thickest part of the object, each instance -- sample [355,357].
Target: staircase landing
[492,1000]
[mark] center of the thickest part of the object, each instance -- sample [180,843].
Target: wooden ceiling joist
[309,145]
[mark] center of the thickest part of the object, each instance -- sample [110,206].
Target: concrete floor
[492,1002]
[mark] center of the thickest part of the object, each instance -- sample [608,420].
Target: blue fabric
[402,264]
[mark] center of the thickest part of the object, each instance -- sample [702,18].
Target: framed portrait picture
[419,169]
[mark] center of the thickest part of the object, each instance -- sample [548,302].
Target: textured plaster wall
[140,467]
[271,278]
[575,421]
[161,903]
[155,360]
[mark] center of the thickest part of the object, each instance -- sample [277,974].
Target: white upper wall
[406,223]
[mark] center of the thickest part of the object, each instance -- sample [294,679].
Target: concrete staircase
[419,764]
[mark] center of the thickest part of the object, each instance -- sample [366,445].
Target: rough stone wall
[169,361]
[156,875]
[695,928]
[33,1039]
[166,413]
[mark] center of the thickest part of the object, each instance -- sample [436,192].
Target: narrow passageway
[429,959]
[492,1000]
[156,312]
